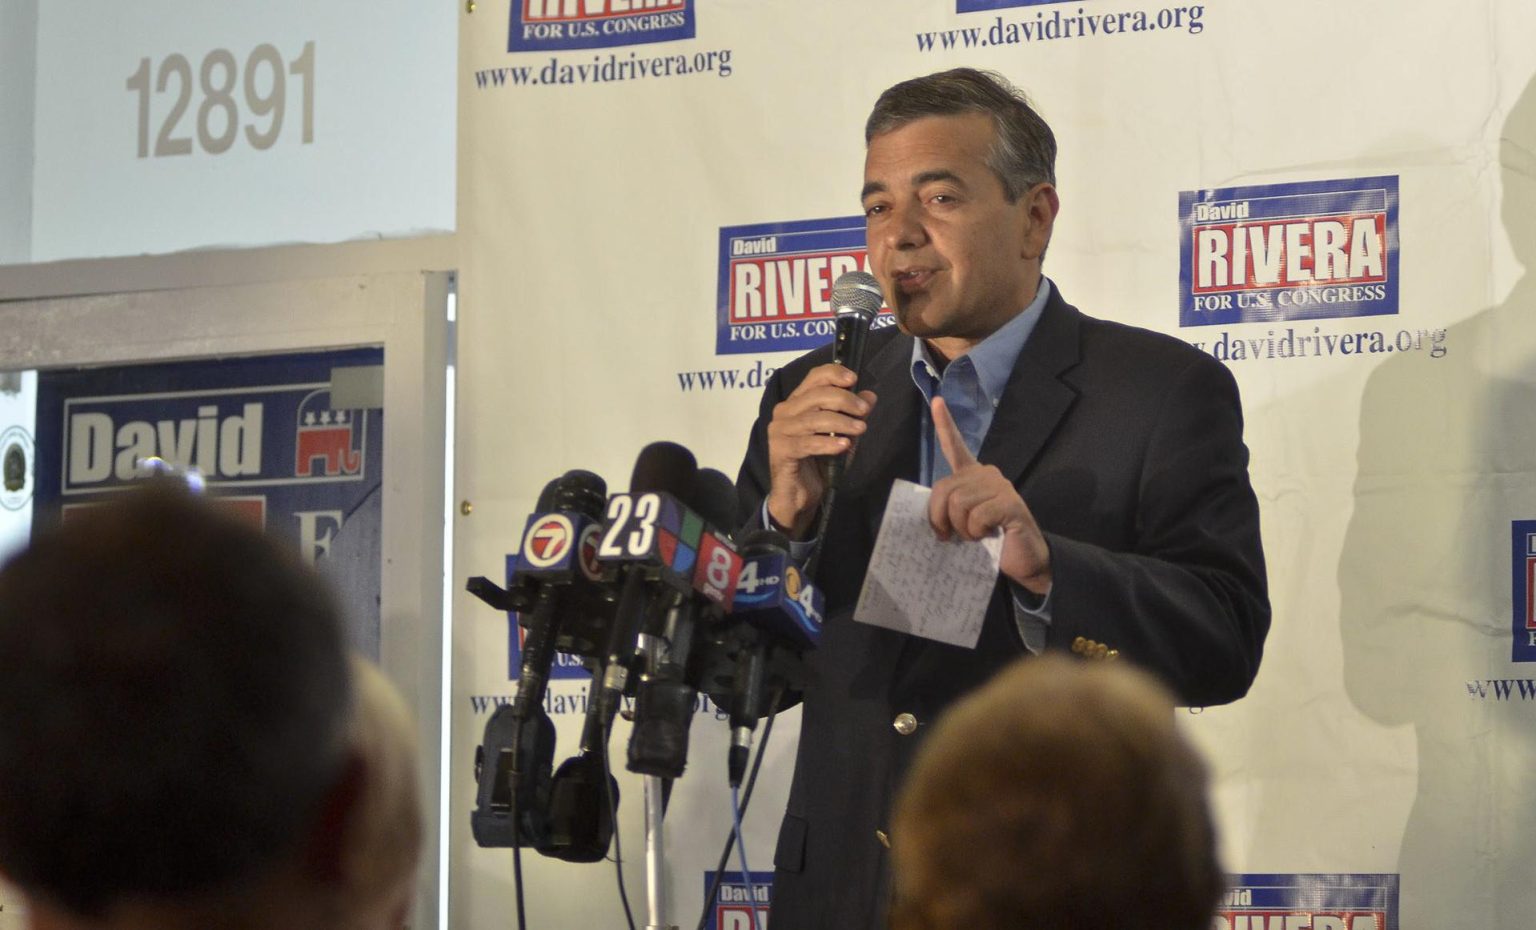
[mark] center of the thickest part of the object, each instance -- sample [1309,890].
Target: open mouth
[910,281]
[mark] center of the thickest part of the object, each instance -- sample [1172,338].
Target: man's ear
[1040,208]
[325,856]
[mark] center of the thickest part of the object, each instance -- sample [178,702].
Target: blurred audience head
[1061,796]
[173,716]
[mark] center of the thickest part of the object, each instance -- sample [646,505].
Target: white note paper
[920,584]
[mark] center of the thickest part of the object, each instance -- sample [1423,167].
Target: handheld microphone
[856,298]
[667,693]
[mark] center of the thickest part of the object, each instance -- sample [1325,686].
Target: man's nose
[906,230]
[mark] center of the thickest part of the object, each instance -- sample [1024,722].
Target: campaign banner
[775,283]
[262,435]
[1303,251]
[1309,902]
[738,905]
[1523,599]
[550,25]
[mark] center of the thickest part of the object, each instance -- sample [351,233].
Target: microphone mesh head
[665,467]
[858,293]
[760,542]
[713,497]
[580,491]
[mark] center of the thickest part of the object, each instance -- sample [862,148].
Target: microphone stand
[654,648]
[655,865]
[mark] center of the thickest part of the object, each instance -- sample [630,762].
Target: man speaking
[1111,458]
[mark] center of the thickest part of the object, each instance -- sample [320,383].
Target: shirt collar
[992,358]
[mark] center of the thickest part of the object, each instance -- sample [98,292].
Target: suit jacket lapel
[1036,397]
[888,449]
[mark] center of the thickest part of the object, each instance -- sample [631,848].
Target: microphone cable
[517,877]
[823,519]
[741,848]
[746,798]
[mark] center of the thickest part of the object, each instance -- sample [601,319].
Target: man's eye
[874,209]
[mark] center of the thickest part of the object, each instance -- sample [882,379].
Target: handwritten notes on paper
[920,584]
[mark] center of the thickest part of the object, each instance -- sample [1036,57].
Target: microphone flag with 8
[668,691]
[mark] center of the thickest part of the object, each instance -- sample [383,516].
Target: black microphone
[780,612]
[552,565]
[668,692]
[581,817]
[856,298]
[517,750]
[663,467]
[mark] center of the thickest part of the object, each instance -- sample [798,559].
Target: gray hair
[1024,148]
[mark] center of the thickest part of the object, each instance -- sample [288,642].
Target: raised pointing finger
[951,443]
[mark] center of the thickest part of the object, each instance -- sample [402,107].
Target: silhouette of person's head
[1058,795]
[173,710]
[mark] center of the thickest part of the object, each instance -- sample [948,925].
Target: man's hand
[821,417]
[976,499]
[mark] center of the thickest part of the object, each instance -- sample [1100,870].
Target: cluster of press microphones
[659,603]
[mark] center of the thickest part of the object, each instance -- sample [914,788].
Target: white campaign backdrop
[590,217]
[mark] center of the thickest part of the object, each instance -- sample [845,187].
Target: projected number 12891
[262,86]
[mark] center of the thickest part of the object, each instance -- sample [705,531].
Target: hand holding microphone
[814,429]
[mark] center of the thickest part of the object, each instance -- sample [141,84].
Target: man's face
[955,258]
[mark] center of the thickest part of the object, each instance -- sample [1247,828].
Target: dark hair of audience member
[173,703]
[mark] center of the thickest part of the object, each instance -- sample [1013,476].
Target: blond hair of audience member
[382,841]
[1060,795]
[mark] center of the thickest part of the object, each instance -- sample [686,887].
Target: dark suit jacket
[1127,447]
